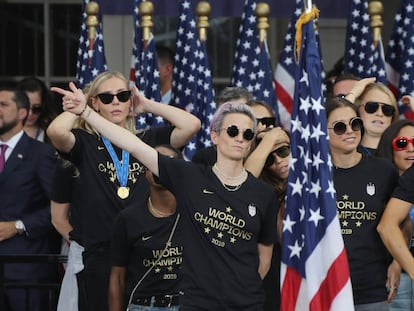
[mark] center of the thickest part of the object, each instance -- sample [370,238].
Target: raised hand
[73,100]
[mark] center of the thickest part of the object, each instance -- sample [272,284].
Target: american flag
[400,55]
[286,69]
[314,269]
[362,58]
[91,59]
[192,82]
[144,71]
[252,69]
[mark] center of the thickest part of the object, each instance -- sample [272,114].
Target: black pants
[93,280]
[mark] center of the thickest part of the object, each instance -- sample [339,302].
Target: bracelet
[84,108]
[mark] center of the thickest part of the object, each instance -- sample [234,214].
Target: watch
[19,225]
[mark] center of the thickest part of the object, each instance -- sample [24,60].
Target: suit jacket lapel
[18,154]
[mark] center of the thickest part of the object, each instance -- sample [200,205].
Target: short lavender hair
[227,108]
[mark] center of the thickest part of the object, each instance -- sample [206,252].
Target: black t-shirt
[96,188]
[405,188]
[362,193]
[221,230]
[64,183]
[137,241]
[206,156]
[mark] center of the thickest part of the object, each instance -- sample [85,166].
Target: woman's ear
[214,137]
[93,103]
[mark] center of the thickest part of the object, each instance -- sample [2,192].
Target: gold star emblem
[157,270]
[232,239]
[358,224]
[345,197]
[220,235]
[170,268]
[228,209]
[345,223]
[207,230]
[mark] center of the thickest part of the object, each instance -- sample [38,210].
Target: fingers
[392,292]
[73,87]
[59,90]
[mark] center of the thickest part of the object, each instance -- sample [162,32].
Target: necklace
[229,177]
[156,212]
[231,188]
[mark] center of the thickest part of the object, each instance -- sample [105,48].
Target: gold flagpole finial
[262,12]
[375,10]
[92,22]
[146,10]
[203,10]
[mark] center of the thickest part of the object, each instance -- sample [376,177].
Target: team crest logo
[252,210]
[371,189]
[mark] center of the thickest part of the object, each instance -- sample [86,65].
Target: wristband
[83,110]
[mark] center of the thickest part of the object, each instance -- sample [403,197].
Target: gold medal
[123,192]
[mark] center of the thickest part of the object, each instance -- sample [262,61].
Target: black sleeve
[62,183]
[157,136]
[404,190]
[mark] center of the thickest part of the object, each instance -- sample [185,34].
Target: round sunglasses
[107,98]
[339,127]
[372,107]
[400,143]
[233,131]
[281,152]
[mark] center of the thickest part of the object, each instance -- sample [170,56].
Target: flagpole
[375,10]
[203,10]
[146,9]
[262,12]
[308,6]
[92,22]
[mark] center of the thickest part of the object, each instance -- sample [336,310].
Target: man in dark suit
[25,182]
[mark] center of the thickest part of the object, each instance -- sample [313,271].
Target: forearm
[256,160]
[265,258]
[59,131]
[186,125]
[60,219]
[116,289]
[395,242]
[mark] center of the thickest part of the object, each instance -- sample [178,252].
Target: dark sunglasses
[339,127]
[107,98]
[401,143]
[233,131]
[281,152]
[372,107]
[36,109]
[268,121]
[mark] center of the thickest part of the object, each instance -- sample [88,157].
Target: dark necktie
[3,148]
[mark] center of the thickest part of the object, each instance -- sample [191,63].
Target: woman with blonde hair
[377,108]
[109,177]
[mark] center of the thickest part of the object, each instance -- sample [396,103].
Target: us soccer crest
[252,210]
[371,189]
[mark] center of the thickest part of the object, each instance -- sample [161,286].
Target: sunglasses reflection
[281,152]
[372,107]
[107,98]
[401,143]
[234,131]
[339,127]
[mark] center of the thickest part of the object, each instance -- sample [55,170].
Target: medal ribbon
[121,169]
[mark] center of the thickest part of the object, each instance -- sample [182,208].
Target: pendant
[123,192]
